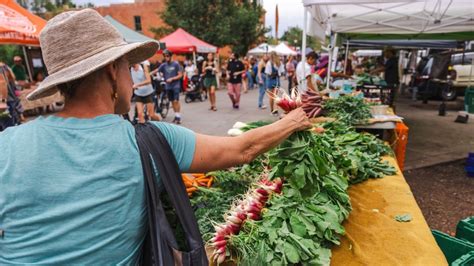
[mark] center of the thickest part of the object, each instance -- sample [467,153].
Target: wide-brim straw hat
[77,43]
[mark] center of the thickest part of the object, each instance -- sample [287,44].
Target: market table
[374,237]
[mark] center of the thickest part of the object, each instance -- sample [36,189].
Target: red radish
[218,238]
[221,258]
[233,219]
[221,250]
[219,244]
[253,216]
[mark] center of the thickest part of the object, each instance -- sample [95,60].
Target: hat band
[84,56]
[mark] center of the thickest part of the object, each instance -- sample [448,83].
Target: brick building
[139,16]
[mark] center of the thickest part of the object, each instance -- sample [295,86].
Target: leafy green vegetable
[348,109]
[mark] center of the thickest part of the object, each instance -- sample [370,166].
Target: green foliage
[294,38]
[7,52]
[348,109]
[300,225]
[218,22]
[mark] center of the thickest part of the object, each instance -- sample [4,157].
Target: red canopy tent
[181,42]
[19,26]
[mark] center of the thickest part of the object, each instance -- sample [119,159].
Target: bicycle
[160,98]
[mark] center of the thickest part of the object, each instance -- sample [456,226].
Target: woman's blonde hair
[275,58]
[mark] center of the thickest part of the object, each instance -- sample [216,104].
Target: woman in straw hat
[72,183]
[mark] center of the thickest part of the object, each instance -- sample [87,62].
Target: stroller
[194,90]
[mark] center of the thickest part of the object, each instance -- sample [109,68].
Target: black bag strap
[155,151]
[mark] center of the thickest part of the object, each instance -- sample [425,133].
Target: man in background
[303,73]
[235,69]
[20,72]
[172,73]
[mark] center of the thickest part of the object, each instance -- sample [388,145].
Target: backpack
[161,247]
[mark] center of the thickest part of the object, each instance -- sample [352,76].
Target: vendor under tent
[388,19]
[19,27]
[182,42]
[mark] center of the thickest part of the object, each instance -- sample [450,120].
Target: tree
[219,22]
[294,37]
[7,52]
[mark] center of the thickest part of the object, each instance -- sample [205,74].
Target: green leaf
[291,253]
[297,226]
[403,218]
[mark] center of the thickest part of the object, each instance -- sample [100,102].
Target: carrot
[209,183]
[190,194]
[191,189]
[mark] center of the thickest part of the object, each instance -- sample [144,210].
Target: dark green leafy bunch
[293,230]
[357,155]
[347,109]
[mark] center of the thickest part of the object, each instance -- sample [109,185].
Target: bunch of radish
[250,207]
[310,101]
[286,102]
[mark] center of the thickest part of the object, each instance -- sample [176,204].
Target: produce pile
[349,110]
[287,206]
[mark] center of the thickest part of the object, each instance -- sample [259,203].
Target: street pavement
[197,116]
[434,139]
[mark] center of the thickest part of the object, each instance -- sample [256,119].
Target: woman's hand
[214,153]
[298,119]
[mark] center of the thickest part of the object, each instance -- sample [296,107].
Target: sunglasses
[167,55]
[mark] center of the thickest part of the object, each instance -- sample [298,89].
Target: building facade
[140,16]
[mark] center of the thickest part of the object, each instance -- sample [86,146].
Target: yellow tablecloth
[373,237]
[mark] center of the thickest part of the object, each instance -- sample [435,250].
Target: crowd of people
[238,75]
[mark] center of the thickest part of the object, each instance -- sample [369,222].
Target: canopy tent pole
[27,61]
[330,50]
[194,58]
[303,50]
[347,54]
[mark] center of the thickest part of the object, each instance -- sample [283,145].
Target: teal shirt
[72,190]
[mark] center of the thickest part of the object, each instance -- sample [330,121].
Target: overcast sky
[290,12]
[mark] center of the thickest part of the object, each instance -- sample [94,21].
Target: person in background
[13,102]
[273,69]
[172,72]
[389,66]
[305,81]
[209,70]
[190,69]
[235,69]
[290,72]
[251,73]
[262,81]
[245,81]
[199,61]
[20,72]
[143,92]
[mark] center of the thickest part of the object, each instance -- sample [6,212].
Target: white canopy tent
[368,53]
[264,48]
[283,49]
[388,19]
[261,49]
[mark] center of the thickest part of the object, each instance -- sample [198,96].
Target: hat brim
[135,53]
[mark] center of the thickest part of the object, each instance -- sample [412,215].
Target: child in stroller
[194,90]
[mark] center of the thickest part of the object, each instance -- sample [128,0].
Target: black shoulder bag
[160,247]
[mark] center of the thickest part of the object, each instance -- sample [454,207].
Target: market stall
[387,19]
[20,27]
[182,42]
